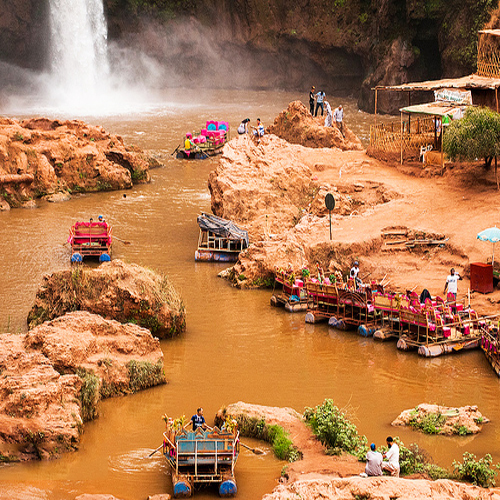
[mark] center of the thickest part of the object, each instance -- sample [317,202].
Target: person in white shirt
[338,116]
[353,274]
[373,462]
[391,462]
[451,285]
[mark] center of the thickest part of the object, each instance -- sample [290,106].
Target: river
[236,347]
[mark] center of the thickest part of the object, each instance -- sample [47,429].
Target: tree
[476,135]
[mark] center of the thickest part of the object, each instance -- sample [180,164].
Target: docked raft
[90,239]
[220,239]
[201,457]
[291,293]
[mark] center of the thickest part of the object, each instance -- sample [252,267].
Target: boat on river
[220,239]
[201,457]
[90,239]
[208,142]
[292,294]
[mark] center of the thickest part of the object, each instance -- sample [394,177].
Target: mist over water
[85,76]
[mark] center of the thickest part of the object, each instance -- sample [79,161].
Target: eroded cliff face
[342,46]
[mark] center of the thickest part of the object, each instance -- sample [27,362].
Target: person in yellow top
[187,143]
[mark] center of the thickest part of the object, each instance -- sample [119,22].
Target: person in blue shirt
[198,419]
[320,97]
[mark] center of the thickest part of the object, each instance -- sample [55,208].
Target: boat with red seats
[90,239]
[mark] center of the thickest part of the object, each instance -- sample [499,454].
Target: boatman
[198,419]
[353,274]
[451,285]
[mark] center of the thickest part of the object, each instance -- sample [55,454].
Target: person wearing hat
[391,456]
[243,127]
[311,100]
[373,462]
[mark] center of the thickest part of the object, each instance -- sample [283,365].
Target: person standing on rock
[338,115]
[320,97]
[391,462]
[374,461]
[328,119]
[311,100]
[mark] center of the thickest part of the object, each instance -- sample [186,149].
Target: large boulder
[54,376]
[40,157]
[296,125]
[115,290]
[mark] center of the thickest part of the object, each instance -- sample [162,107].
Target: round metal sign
[330,201]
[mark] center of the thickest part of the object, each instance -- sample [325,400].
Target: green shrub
[282,445]
[334,430]
[89,394]
[143,374]
[479,472]
[430,423]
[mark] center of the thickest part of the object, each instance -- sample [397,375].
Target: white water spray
[78,50]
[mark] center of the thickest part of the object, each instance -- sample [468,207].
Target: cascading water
[79,50]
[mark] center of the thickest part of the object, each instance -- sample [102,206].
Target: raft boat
[208,142]
[220,239]
[201,457]
[90,239]
[293,295]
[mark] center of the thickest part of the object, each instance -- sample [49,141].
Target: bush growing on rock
[333,429]
[479,472]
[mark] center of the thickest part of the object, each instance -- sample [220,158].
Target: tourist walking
[328,119]
[451,285]
[320,97]
[311,100]
[391,462]
[374,461]
[338,116]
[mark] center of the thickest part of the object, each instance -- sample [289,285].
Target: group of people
[337,116]
[377,463]
[258,130]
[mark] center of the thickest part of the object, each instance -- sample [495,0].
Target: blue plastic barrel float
[365,331]
[104,257]
[76,257]
[182,487]
[228,487]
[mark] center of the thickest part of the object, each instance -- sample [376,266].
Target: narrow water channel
[236,346]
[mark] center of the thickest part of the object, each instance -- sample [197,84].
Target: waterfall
[79,51]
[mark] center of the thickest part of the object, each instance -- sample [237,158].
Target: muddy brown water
[236,346]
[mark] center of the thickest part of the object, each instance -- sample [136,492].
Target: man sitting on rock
[373,462]
[391,462]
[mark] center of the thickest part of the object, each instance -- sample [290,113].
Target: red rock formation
[54,376]
[115,290]
[296,125]
[41,157]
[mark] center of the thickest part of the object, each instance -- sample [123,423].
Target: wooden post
[401,137]
[376,93]
[496,97]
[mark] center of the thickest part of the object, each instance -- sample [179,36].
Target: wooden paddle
[257,451]
[151,454]
[125,242]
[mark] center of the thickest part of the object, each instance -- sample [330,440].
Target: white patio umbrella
[491,234]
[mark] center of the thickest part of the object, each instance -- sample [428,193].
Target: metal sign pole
[330,205]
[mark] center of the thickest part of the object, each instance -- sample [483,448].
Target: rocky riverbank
[52,159]
[54,376]
[318,476]
[277,191]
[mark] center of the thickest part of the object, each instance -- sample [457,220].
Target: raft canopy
[223,228]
